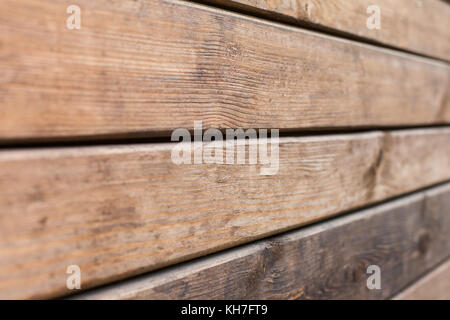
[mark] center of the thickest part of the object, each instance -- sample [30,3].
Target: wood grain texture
[146,67]
[118,211]
[433,286]
[405,238]
[421,26]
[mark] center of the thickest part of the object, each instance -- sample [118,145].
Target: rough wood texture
[149,66]
[117,211]
[433,286]
[421,26]
[405,238]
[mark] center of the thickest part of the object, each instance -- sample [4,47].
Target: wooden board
[421,26]
[118,211]
[329,260]
[146,67]
[433,286]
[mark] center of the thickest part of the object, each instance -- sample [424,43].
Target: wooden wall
[86,170]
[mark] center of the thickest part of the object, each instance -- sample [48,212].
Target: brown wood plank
[434,286]
[117,211]
[419,26]
[146,67]
[405,238]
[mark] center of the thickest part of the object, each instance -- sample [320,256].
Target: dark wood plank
[118,211]
[433,286]
[146,67]
[405,238]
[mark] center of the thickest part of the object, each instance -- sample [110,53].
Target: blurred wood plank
[433,286]
[118,211]
[147,67]
[421,26]
[405,238]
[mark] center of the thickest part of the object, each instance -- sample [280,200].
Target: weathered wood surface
[146,67]
[433,286]
[118,211]
[421,26]
[405,238]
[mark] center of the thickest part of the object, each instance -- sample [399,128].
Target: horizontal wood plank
[421,26]
[329,260]
[433,286]
[146,67]
[118,211]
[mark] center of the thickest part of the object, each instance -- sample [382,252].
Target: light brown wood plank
[421,26]
[117,211]
[405,238]
[433,286]
[146,67]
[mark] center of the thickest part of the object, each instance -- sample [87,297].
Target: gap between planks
[402,28]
